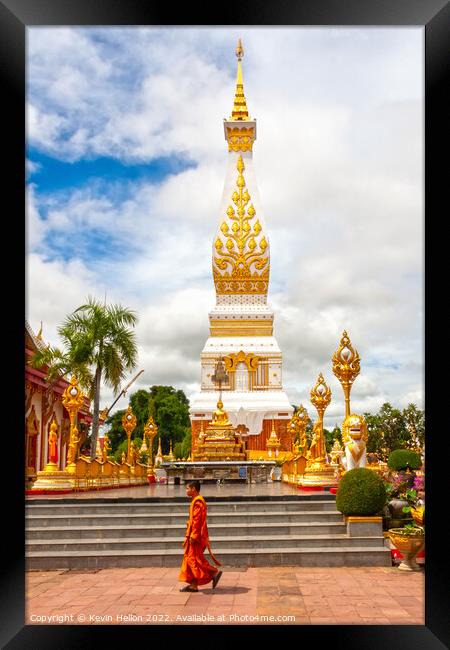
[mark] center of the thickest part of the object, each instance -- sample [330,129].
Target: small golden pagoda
[220,440]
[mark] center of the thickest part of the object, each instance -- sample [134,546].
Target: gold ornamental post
[320,398]
[150,430]
[72,400]
[129,424]
[346,367]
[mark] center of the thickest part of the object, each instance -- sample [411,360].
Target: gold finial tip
[239,50]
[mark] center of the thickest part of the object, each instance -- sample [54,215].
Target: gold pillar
[129,424]
[320,398]
[150,430]
[318,474]
[346,367]
[51,478]
[72,400]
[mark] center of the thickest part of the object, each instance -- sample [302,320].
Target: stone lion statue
[354,436]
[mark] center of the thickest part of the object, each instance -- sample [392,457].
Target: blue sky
[126,163]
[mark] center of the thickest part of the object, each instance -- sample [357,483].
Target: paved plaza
[262,595]
[252,596]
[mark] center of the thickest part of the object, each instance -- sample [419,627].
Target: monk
[195,568]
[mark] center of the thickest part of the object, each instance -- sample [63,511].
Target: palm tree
[98,345]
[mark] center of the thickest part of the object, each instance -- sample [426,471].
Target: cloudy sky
[126,162]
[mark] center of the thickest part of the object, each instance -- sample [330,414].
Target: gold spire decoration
[346,367]
[240,111]
[273,442]
[39,334]
[241,251]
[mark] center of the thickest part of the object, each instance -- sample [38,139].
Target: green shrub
[401,459]
[361,492]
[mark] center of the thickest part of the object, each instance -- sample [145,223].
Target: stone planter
[364,526]
[409,542]
[398,517]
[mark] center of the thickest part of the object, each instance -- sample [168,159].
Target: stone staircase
[286,531]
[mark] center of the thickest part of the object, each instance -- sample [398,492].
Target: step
[174,530]
[310,556]
[160,508]
[218,543]
[170,498]
[167,519]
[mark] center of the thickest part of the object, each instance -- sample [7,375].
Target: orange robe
[195,568]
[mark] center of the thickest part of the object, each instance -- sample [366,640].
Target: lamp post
[72,400]
[220,376]
[346,367]
[150,430]
[129,424]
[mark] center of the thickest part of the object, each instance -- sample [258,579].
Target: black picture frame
[15,17]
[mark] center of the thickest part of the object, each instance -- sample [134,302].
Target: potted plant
[404,462]
[404,503]
[410,540]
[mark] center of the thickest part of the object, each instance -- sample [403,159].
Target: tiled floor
[290,595]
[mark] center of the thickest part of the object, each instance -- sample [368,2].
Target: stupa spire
[240,110]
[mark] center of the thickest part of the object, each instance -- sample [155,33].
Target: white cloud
[339,167]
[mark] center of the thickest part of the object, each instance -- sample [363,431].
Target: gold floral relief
[244,266]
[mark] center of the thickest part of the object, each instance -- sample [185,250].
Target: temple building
[43,405]
[241,323]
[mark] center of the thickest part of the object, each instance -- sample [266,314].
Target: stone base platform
[218,471]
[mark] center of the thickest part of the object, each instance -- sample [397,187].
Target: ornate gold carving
[240,139]
[320,398]
[129,422]
[320,395]
[72,400]
[244,266]
[346,367]
[232,360]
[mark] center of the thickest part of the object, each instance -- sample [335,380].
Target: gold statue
[53,443]
[336,453]
[106,448]
[354,435]
[132,460]
[316,452]
[220,417]
[71,452]
[123,459]
[297,430]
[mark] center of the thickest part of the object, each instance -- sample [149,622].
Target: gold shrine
[220,441]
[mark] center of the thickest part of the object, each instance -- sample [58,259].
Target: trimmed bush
[361,492]
[402,459]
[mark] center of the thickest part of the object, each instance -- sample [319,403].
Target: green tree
[98,344]
[387,431]
[415,423]
[330,437]
[169,408]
